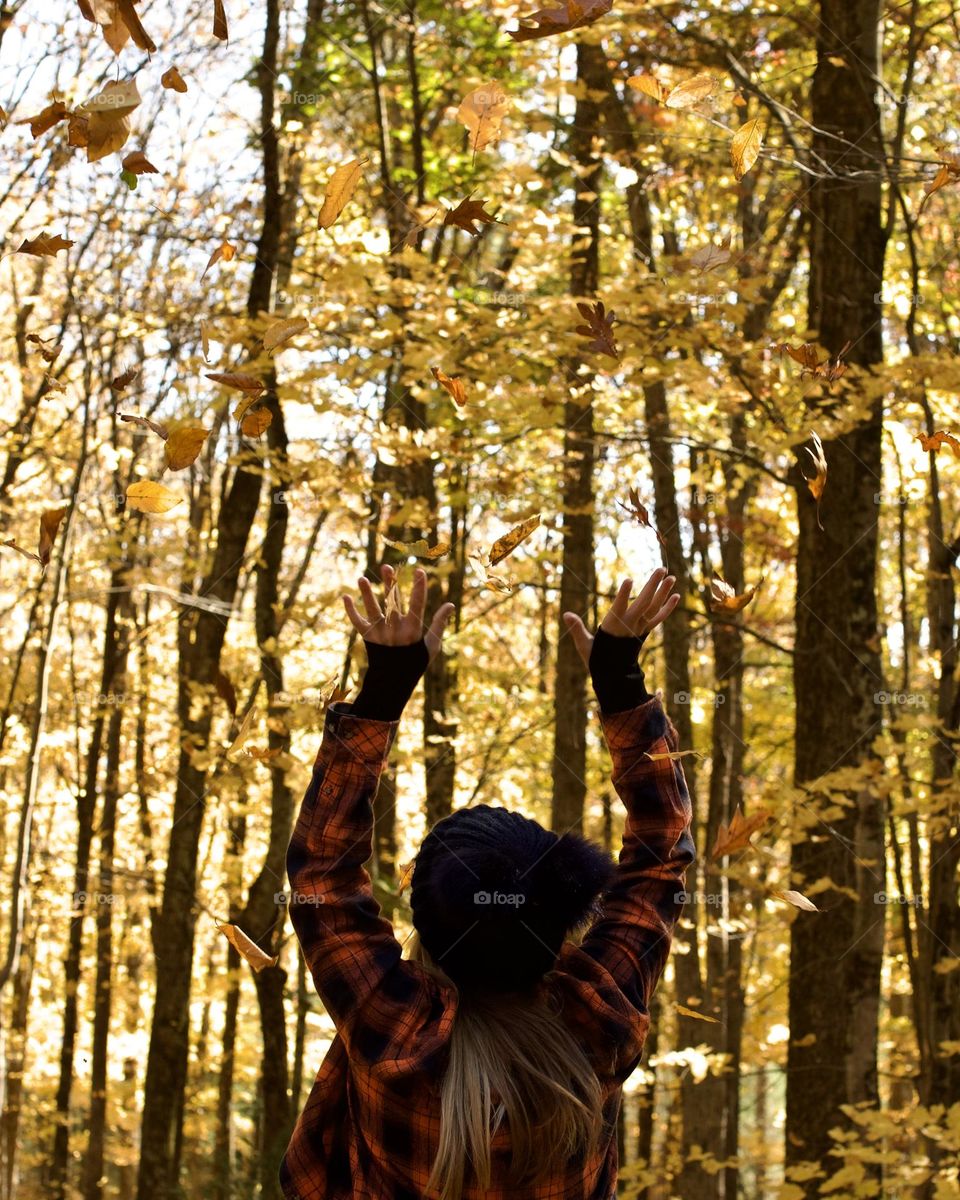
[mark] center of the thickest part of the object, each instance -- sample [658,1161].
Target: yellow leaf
[819,480]
[737,835]
[691,91]
[674,755]
[225,252]
[692,1012]
[247,948]
[255,422]
[798,900]
[282,331]
[482,112]
[510,541]
[149,497]
[107,114]
[745,147]
[649,85]
[723,598]
[340,187]
[49,524]
[242,383]
[183,445]
[453,384]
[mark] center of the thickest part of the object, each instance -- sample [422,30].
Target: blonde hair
[511,1058]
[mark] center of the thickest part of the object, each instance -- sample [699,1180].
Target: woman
[489,1063]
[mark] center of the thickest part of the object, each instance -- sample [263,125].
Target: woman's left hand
[393,625]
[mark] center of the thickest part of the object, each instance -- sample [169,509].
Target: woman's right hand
[627,618]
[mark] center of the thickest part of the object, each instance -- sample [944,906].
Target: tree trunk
[835,960]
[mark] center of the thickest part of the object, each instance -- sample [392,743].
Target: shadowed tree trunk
[835,958]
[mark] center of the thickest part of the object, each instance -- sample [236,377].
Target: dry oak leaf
[466,212]
[420,549]
[711,256]
[120,20]
[482,112]
[641,515]
[49,524]
[737,835]
[44,244]
[723,598]
[255,422]
[453,384]
[183,446]
[107,114]
[137,163]
[145,423]
[46,118]
[692,1012]
[248,949]
[599,327]
[797,899]
[124,379]
[510,541]
[340,188]
[173,80]
[819,480]
[242,383]
[224,252]
[406,875]
[745,146]
[282,331]
[936,440]
[149,497]
[573,14]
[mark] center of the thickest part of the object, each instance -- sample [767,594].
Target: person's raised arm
[640,910]
[348,946]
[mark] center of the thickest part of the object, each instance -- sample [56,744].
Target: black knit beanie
[494,894]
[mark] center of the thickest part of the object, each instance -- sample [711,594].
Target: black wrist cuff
[617,678]
[392,674]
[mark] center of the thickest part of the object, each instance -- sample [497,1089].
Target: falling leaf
[819,480]
[204,341]
[724,599]
[482,112]
[12,545]
[466,212]
[691,91]
[487,578]
[745,147]
[649,85]
[599,327]
[224,252]
[510,541]
[149,497]
[936,440]
[128,15]
[798,900]
[340,188]
[49,524]
[949,172]
[641,515]
[282,331]
[674,755]
[255,422]
[420,549]
[241,735]
[248,949]
[219,21]
[571,14]
[78,131]
[242,383]
[226,691]
[145,423]
[391,602]
[44,244]
[692,1012]
[172,79]
[183,446]
[137,163]
[48,355]
[107,113]
[810,364]
[124,379]
[711,256]
[46,118]
[406,875]
[453,384]
[737,835]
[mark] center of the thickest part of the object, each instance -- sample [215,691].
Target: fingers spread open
[359,624]
[369,600]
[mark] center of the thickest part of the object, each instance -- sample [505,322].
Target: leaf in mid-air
[282,331]
[183,446]
[510,541]
[691,91]
[172,79]
[745,146]
[723,598]
[223,253]
[482,112]
[453,384]
[248,949]
[149,497]
[599,327]
[737,835]
[44,244]
[340,188]
[464,215]
[571,14]
[818,482]
[241,383]
[107,114]
[936,440]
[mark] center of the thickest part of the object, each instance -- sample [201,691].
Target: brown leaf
[482,111]
[219,21]
[466,212]
[227,692]
[936,440]
[49,524]
[183,446]
[737,835]
[12,545]
[420,549]
[78,131]
[145,423]
[453,384]
[48,355]
[340,188]
[131,19]
[819,480]
[248,949]
[46,118]
[137,163]
[172,79]
[44,244]
[107,114]
[724,599]
[406,875]
[947,173]
[599,327]
[691,91]
[282,331]
[119,382]
[745,146]
[255,422]
[711,256]
[639,512]
[225,252]
[510,541]
[149,497]
[242,383]
[572,14]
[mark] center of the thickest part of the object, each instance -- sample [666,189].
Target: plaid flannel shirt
[371,1124]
